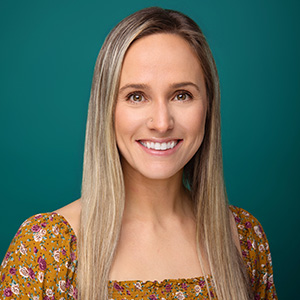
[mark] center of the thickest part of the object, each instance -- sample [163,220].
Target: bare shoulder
[71,213]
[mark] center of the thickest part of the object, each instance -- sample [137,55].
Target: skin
[162,98]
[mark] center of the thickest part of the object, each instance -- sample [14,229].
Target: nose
[161,117]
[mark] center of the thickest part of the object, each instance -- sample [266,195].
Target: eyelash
[128,97]
[190,96]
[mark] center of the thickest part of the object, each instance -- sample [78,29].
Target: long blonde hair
[103,186]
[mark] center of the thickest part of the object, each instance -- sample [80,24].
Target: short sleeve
[41,261]
[256,254]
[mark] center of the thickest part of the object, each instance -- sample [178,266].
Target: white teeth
[159,146]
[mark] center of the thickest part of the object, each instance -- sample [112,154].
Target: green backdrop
[48,50]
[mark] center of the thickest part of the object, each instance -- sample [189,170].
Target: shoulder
[43,229]
[71,213]
[243,217]
[249,228]
[42,237]
[41,258]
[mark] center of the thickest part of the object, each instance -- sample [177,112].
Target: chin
[156,174]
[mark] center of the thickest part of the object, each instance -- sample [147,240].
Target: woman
[153,221]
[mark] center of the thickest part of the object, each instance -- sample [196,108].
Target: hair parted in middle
[103,192]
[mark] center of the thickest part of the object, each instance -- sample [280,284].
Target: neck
[155,200]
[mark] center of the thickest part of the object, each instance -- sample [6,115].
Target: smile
[159,146]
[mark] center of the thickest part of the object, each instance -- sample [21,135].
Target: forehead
[162,55]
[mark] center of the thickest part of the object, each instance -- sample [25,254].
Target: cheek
[127,122]
[195,123]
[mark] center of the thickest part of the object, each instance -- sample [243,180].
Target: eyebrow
[183,84]
[134,86]
[145,86]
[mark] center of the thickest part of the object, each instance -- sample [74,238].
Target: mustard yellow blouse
[41,264]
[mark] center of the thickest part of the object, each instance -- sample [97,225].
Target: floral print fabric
[41,264]
[41,261]
[192,288]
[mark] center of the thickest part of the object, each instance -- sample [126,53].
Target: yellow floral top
[41,264]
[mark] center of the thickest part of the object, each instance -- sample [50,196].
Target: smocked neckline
[163,281]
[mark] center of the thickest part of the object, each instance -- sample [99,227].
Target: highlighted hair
[103,185]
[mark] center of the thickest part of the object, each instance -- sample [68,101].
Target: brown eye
[182,96]
[136,97]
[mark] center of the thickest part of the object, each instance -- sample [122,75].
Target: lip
[159,140]
[160,152]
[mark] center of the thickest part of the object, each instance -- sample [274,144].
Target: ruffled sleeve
[256,254]
[41,261]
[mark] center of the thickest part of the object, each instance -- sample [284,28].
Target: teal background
[47,54]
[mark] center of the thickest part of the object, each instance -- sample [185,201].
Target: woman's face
[161,106]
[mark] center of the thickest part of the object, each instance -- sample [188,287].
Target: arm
[256,254]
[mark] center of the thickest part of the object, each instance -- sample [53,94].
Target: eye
[135,97]
[183,96]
